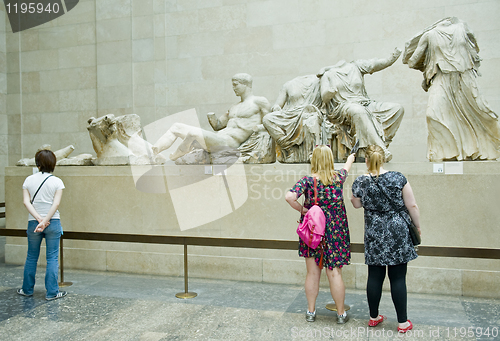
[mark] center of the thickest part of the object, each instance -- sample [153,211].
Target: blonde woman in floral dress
[336,252]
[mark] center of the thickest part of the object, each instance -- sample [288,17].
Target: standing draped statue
[460,123]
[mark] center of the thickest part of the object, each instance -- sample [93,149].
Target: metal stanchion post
[186,294]
[62,283]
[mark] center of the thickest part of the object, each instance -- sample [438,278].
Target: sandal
[380,318]
[404,330]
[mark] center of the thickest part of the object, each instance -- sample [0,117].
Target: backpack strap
[315,191]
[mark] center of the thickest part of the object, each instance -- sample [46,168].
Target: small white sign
[35,170]
[454,168]
[438,168]
[220,170]
[208,170]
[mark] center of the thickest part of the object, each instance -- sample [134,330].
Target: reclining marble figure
[62,157]
[347,104]
[233,129]
[118,141]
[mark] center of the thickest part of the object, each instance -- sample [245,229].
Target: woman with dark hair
[388,245]
[336,252]
[42,194]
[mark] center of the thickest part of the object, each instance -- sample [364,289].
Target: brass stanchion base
[65,284]
[185,295]
[333,307]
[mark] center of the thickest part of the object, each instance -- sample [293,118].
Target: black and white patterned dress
[387,238]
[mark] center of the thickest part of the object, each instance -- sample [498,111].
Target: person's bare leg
[337,288]
[312,283]
[167,139]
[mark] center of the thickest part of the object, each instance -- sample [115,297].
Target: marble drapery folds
[461,125]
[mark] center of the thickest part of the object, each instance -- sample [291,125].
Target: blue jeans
[52,236]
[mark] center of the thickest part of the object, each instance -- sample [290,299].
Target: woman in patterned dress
[336,252]
[388,243]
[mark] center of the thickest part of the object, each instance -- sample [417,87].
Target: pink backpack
[312,228]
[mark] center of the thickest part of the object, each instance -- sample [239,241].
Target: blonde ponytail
[375,157]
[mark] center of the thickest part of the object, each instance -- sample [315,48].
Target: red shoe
[373,323]
[404,330]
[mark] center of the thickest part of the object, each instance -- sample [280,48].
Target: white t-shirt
[45,197]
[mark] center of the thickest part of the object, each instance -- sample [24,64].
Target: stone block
[68,79]
[113,29]
[13,62]
[142,8]
[480,283]
[143,73]
[186,70]
[144,95]
[59,123]
[85,12]
[201,44]
[85,259]
[39,60]
[3,123]
[76,57]
[181,23]
[77,100]
[143,50]
[114,52]
[114,97]
[159,25]
[247,40]
[57,37]
[269,13]
[143,27]
[299,35]
[222,18]
[113,9]
[284,271]
[145,263]
[32,123]
[434,281]
[29,40]
[114,74]
[236,269]
[159,49]
[41,102]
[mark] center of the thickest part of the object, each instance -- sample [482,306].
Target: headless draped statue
[460,123]
[348,105]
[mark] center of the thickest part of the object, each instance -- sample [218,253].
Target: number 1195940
[32,7]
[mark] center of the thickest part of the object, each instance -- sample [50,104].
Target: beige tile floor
[117,306]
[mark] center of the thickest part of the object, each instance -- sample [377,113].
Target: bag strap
[315,191]
[390,200]
[32,200]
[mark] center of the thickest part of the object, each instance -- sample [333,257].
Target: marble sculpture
[461,125]
[348,106]
[239,133]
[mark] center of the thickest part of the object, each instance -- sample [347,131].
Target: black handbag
[414,235]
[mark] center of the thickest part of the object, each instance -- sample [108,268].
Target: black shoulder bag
[415,236]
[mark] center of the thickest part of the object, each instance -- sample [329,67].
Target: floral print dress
[337,251]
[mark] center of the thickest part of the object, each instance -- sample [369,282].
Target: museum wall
[155,58]
[4,127]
